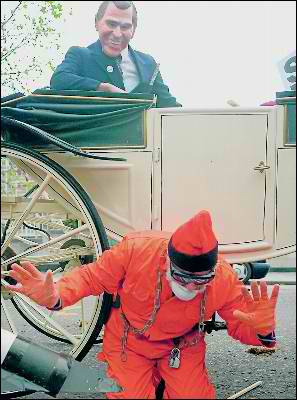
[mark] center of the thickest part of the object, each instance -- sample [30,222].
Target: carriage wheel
[56,226]
[244,271]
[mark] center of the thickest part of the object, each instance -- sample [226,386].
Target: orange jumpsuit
[130,269]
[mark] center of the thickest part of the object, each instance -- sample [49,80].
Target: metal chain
[124,338]
[148,324]
[151,320]
[201,325]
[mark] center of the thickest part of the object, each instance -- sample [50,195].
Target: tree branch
[29,69]
[6,55]
[12,14]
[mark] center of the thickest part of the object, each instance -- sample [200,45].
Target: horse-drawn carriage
[88,168]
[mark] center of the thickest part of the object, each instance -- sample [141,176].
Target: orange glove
[37,286]
[260,314]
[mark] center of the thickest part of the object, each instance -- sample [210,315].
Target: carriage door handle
[261,167]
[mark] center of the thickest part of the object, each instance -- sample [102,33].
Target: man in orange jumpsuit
[168,285]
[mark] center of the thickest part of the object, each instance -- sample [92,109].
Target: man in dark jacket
[110,64]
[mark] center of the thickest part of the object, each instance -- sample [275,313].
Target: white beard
[182,292]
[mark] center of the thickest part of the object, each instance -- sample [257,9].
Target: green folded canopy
[83,119]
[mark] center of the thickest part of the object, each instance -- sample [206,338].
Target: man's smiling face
[115,30]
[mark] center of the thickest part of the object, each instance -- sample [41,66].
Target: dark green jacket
[84,68]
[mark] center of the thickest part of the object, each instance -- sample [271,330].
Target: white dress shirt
[129,71]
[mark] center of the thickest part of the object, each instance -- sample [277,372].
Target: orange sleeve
[105,274]
[235,301]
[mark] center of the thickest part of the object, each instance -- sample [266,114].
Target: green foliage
[29,35]
[14,182]
[71,223]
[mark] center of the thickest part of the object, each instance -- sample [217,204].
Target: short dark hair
[122,5]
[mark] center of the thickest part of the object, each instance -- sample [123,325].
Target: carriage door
[223,163]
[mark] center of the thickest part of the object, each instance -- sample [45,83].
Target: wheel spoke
[60,209]
[59,255]
[26,212]
[7,316]
[45,245]
[47,318]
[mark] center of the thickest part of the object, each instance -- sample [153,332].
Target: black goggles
[184,278]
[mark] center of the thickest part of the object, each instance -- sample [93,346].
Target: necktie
[118,62]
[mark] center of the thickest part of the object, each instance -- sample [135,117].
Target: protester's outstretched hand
[260,313]
[38,286]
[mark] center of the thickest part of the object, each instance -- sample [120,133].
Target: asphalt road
[231,366]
